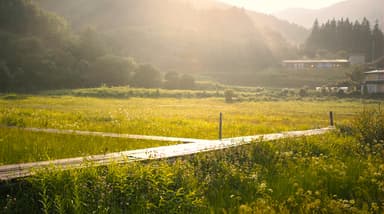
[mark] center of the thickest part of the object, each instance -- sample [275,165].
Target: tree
[112,70]
[377,42]
[187,81]
[147,76]
[5,77]
[90,45]
[229,94]
[356,76]
[172,80]
[335,36]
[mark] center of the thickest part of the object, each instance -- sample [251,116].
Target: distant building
[374,82]
[357,59]
[377,64]
[315,64]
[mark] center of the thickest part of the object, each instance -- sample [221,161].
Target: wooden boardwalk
[8,172]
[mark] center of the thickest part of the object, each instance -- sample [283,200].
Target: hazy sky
[270,6]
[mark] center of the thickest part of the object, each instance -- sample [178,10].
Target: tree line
[343,36]
[39,51]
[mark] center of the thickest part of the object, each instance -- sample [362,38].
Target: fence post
[221,126]
[331,118]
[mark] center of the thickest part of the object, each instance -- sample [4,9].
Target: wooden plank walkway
[114,135]
[8,172]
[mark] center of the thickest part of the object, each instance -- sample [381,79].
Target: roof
[374,72]
[378,60]
[317,61]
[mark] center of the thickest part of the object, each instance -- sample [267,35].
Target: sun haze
[271,6]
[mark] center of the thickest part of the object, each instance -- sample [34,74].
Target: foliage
[275,77]
[147,77]
[187,82]
[325,174]
[112,70]
[303,92]
[229,95]
[40,52]
[369,127]
[173,80]
[343,35]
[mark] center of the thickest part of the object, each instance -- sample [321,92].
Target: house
[374,82]
[315,64]
[377,64]
[357,59]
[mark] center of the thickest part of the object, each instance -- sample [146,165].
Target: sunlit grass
[319,174]
[18,146]
[196,118]
[332,173]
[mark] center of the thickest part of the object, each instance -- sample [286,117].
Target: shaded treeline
[40,51]
[346,36]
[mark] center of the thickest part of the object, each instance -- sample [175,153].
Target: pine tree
[343,36]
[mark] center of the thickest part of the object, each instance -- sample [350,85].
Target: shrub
[369,127]
[303,92]
[229,94]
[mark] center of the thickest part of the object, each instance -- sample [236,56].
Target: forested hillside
[34,45]
[40,51]
[352,9]
[178,35]
[292,32]
[99,42]
[345,36]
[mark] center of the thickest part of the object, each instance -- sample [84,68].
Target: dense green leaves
[38,51]
[345,36]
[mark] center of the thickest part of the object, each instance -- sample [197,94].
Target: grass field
[19,146]
[340,172]
[322,174]
[195,118]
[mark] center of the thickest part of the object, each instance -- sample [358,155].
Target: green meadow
[194,118]
[339,172]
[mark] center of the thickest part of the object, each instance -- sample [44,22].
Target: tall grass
[197,118]
[17,146]
[333,173]
[322,174]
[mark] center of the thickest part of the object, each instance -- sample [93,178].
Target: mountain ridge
[351,9]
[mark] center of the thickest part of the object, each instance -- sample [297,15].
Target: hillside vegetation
[174,35]
[90,43]
[352,9]
[341,36]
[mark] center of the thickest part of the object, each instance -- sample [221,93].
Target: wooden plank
[14,171]
[108,134]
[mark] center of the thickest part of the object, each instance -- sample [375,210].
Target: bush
[303,92]
[229,94]
[369,127]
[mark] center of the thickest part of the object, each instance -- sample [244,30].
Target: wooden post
[221,126]
[331,118]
